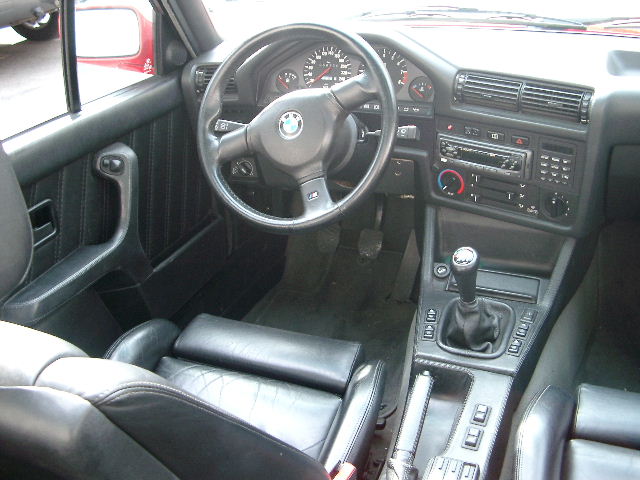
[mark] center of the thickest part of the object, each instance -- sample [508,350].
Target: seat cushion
[297,415]
[316,362]
[608,415]
[586,460]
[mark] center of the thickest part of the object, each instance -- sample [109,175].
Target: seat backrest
[15,230]
[595,439]
[63,415]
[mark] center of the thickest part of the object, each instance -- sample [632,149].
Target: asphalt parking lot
[32,84]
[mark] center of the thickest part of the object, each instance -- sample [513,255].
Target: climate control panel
[533,175]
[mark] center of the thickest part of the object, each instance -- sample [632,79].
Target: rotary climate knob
[556,205]
[451,182]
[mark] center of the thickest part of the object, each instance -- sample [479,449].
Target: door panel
[182,238]
[175,199]
[84,207]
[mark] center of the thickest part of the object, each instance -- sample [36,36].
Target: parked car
[132,49]
[33,19]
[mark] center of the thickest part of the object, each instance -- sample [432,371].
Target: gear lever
[464,265]
[470,323]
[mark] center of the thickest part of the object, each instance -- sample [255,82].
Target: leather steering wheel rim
[341,100]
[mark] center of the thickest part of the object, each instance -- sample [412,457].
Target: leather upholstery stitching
[115,243]
[427,363]
[83,209]
[60,202]
[353,362]
[356,434]
[124,336]
[527,413]
[169,178]
[184,397]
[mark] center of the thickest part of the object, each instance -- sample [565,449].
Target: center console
[533,175]
[484,313]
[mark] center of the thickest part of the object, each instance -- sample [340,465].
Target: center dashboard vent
[489,91]
[203,75]
[524,96]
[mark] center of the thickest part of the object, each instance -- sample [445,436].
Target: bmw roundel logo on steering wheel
[290,125]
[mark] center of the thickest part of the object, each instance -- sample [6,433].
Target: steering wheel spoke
[316,199]
[355,92]
[230,146]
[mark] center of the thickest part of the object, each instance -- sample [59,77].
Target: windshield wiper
[465,14]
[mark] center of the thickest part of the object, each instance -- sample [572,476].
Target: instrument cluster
[325,65]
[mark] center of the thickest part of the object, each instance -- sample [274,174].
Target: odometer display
[325,67]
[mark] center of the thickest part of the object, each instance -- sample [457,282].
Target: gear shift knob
[464,265]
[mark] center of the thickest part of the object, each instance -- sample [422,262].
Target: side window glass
[114,45]
[31,80]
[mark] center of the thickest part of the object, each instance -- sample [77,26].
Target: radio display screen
[482,157]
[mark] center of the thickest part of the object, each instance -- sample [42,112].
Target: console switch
[472,438]
[529,315]
[481,414]
[443,468]
[515,346]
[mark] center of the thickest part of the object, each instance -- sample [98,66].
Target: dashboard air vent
[557,101]
[489,91]
[520,95]
[203,76]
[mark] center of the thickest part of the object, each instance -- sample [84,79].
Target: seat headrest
[15,230]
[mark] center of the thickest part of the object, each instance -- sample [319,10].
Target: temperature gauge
[421,90]
[287,81]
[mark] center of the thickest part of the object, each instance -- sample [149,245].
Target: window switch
[481,414]
[472,438]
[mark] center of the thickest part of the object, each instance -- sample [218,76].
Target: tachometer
[396,66]
[326,66]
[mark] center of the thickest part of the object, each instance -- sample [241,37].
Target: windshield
[241,17]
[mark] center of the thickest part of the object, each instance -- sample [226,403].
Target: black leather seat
[221,399]
[597,440]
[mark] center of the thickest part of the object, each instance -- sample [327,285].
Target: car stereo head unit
[484,157]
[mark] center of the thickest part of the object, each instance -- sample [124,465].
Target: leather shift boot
[478,326]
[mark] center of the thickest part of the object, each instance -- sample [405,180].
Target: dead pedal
[370,244]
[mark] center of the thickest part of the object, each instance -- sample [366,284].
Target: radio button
[496,136]
[472,131]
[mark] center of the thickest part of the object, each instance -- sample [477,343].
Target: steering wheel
[301,133]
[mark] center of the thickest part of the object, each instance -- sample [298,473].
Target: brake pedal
[328,238]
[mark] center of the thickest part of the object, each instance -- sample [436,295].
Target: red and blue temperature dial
[451,182]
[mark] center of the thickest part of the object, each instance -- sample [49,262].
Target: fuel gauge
[421,90]
[287,81]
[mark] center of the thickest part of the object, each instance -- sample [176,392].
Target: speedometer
[326,66]
[396,66]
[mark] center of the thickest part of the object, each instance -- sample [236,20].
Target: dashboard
[324,65]
[529,127]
